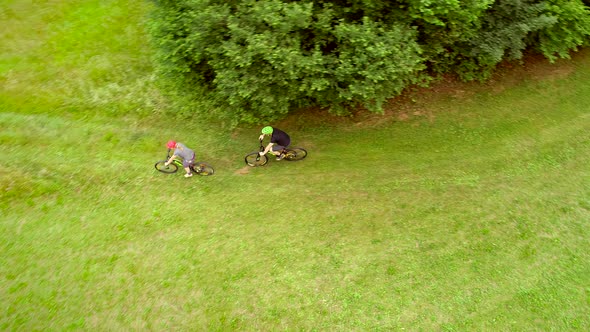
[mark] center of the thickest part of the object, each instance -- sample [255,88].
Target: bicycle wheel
[171,168]
[254,159]
[294,154]
[202,168]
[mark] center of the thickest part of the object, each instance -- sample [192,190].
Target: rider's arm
[171,158]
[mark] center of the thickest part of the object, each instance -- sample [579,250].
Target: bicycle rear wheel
[161,166]
[294,154]
[202,168]
[254,159]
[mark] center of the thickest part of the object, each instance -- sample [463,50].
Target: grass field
[465,209]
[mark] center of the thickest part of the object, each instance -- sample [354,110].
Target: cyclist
[278,141]
[181,151]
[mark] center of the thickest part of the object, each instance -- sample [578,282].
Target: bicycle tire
[202,168]
[171,168]
[254,159]
[295,154]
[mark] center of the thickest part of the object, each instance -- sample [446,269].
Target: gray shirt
[183,152]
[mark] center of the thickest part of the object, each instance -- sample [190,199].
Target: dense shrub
[570,31]
[502,34]
[254,60]
[261,58]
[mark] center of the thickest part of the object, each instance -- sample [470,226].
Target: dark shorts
[277,147]
[188,163]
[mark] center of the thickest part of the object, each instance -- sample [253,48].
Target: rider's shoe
[281,156]
[188,175]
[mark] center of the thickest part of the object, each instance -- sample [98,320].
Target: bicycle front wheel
[161,166]
[202,168]
[254,159]
[294,154]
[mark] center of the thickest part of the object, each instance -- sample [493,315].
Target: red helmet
[171,144]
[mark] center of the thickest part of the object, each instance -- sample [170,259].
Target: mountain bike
[290,154]
[198,167]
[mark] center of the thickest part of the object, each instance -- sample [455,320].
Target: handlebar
[262,147]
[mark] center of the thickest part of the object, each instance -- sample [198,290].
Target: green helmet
[267,130]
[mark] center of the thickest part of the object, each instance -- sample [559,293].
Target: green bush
[253,61]
[571,30]
[503,34]
[259,59]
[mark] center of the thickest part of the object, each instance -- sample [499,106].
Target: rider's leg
[187,167]
[277,150]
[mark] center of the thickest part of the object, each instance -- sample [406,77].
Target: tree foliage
[570,31]
[257,60]
[502,33]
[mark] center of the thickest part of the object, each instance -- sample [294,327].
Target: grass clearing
[463,211]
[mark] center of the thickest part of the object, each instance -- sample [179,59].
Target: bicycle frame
[199,167]
[175,160]
[291,154]
[262,147]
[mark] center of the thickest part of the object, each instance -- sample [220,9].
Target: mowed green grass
[466,210]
